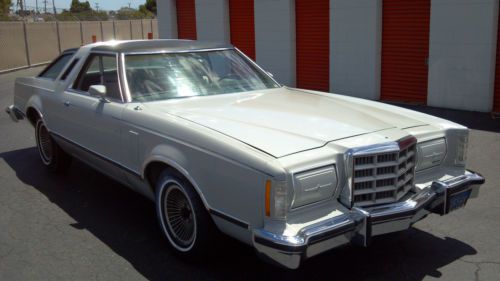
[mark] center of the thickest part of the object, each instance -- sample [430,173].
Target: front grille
[384,177]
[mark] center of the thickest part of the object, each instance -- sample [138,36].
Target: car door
[91,123]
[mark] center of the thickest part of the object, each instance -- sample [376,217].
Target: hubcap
[44,144]
[179,216]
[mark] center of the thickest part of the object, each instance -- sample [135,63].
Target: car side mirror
[98,91]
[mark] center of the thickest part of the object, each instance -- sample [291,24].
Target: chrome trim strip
[174,52]
[229,218]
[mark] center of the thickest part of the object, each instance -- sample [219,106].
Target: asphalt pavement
[83,226]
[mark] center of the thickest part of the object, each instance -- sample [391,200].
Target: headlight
[430,153]
[314,185]
[276,199]
[462,143]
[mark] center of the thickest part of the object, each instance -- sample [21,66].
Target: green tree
[126,13]
[148,7]
[78,7]
[5,8]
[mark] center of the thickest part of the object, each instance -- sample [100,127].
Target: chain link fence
[29,44]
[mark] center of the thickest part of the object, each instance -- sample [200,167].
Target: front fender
[175,159]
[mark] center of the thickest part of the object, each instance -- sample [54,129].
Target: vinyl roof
[164,45]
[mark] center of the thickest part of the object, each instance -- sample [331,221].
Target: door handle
[67,103]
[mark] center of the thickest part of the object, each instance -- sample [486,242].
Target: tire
[52,156]
[182,217]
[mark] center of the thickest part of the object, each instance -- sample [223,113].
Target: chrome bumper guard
[14,113]
[360,224]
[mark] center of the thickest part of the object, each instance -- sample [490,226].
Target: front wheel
[182,216]
[52,156]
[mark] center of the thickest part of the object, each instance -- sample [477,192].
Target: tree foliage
[79,7]
[148,7]
[5,8]
[126,13]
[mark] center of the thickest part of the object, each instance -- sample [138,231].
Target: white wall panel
[212,20]
[355,35]
[462,54]
[167,19]
[275,38]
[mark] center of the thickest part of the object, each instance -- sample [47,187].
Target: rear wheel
[52,156]
[182,216]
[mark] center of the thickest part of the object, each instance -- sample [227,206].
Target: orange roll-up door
[242,28]
[186,19]
[405,50]
[312,24]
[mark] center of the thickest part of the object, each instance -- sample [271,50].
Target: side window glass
[100,70]
[53,70]
[110,77]
[69,69]
[90,75]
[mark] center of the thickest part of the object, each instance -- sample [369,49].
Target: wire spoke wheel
[180,216]
[44,144]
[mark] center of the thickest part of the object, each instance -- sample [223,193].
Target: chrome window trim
[174,52]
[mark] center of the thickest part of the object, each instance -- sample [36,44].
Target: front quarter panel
[228,175]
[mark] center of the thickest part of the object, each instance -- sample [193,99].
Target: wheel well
[155,169]
[32,115]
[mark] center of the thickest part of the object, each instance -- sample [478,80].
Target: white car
[215,141]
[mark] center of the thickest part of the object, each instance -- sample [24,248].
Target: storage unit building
[439,53]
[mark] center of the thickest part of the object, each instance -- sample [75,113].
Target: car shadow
[126,222]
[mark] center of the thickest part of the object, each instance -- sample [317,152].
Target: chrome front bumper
[15,113]
[358,225]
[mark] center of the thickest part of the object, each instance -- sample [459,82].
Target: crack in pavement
[478,266]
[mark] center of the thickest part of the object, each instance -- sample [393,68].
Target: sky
[103,4]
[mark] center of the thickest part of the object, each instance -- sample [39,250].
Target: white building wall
[212,20]
[275,38]
[167,19]
[462,54]
[355,44]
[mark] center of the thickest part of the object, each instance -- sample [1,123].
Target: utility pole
[36,6]
[20,5]
[54,7]
[96,6]
[44,6]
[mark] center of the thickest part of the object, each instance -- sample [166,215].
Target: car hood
[284,121]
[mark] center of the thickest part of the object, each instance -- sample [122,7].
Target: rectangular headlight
[430,153]
[314,185]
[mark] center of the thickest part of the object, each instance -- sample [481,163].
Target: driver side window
[99,70]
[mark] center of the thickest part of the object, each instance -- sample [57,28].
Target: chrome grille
[384,177]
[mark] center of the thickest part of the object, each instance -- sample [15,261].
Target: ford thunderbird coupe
[216,143]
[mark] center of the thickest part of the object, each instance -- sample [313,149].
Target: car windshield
[163,76]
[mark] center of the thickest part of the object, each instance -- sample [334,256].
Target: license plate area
[457,200]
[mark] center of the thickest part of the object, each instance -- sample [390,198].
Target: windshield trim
[124,66]
[175,51]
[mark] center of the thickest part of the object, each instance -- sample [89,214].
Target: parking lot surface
[83,226]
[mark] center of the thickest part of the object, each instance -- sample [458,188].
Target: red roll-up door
[405,50]
[186,19]
[242,28]
[496,98]
[313,44]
